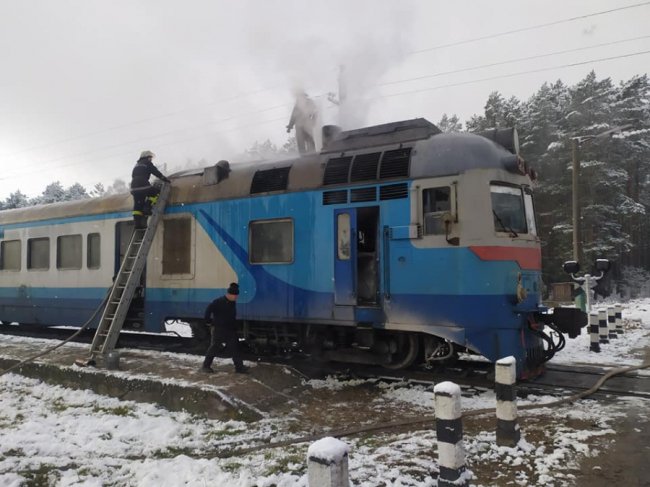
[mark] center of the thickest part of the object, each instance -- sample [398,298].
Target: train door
[356,256]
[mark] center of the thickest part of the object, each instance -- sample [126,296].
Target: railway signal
[586,282]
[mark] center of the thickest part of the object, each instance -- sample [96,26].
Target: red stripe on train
[527,258]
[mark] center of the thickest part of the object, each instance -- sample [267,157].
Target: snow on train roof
[430,152]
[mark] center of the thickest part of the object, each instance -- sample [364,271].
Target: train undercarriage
[390,349]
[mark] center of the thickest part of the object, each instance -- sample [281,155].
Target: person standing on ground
[141,189]
[221,317]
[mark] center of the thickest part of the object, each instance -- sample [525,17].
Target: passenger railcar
[395,243]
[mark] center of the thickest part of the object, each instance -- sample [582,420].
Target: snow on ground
[618,353]
[51,435]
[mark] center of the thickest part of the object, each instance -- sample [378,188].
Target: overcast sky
[86,85]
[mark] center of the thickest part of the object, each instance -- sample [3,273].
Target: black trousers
[139,198]
[217,337]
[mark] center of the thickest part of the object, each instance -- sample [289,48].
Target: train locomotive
[394,244]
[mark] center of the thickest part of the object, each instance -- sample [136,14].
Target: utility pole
[575,207]
[575,197]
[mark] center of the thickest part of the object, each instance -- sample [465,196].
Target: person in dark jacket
[221,317]
[142,190]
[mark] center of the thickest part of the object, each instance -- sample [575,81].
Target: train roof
[410,149]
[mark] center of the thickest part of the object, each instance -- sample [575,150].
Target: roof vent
[395,163]
[270,180]
[364,167]
[336,171]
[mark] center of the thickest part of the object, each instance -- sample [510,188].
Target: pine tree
[16,200]
[52,193]
[75,192]
[450,124]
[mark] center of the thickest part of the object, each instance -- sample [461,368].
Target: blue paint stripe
[76,219]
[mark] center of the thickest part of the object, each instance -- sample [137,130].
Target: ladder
[126,281]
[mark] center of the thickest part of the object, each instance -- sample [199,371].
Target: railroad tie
[449,431]
[508,432]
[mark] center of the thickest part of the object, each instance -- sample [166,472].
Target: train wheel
[408,346]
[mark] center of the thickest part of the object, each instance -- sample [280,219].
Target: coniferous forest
[614,176]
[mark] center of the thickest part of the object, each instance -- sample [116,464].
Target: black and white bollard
[449,430]
[603,332]
[618,312]
[508,433]
[611,322]
[594,345]
[327,463]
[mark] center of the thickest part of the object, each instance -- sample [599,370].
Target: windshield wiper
[513,234]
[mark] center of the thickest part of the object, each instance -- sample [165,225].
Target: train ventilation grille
[270,180]
[393,191]
[364,167]
[335,197]
[395,164]
[363,194]
[337,170]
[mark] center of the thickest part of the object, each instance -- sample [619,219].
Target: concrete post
[449,430]
[618,313]
[602,326]
[508,432]
[594,345]
[611,322]
[327,463]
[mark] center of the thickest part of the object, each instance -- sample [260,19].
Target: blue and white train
[394,243]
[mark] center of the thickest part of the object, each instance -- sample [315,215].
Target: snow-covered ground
[56,436]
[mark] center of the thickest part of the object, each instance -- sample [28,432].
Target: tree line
[614,178]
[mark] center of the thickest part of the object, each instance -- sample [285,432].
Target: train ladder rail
[126,282]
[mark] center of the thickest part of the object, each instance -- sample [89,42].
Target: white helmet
[147,153]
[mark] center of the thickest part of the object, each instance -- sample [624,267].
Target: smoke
[336,52]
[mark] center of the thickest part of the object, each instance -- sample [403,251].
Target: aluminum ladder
[126,281]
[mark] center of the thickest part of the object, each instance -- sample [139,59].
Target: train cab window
[508,209]
[10,253]
[435,203]
[68,252]
[93,257]
[530,211]
[38,254]
[271,241]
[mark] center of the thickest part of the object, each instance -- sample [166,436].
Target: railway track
[558,380]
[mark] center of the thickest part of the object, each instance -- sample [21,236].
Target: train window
[271,242]
[435,203]
[177,246]
[93,257]
[10,255]
[38,253]
[68,252]
[530,211]
[343,236]
[508,209]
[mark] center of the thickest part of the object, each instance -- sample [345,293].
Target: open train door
[356,257]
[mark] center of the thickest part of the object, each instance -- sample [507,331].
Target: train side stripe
[526,258]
